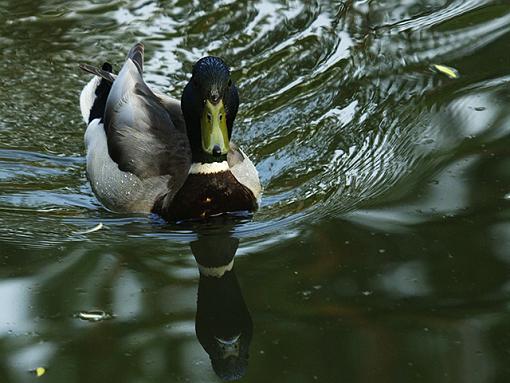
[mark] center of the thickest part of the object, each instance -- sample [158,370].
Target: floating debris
[446,70]
[47,210]
[39,371]
[94,315]
[94,229]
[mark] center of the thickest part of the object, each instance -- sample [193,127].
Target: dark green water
[381,252]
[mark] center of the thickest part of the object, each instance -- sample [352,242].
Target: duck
[149,153]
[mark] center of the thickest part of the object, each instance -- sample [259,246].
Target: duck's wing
[141,134]
[172,105]
[243,170]
[173,108]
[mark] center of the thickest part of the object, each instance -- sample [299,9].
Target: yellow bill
[214,129]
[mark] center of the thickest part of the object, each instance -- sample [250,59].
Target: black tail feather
[104,72]
[102,91]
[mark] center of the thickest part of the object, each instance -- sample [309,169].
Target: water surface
[380,252]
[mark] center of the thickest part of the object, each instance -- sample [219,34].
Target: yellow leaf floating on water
[39,371]
[447,70]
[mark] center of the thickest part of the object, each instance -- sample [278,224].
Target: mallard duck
[150,153]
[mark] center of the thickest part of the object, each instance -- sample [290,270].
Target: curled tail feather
[94,95]
[100,72]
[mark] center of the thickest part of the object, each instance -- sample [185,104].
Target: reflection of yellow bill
[449,71]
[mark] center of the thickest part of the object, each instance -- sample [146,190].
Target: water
[380,252]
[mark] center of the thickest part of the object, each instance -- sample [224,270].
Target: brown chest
[204,195]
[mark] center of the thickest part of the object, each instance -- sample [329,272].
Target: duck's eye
[209,117]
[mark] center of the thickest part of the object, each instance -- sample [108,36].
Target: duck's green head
[209,104]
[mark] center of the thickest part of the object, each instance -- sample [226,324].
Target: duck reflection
[223,323]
